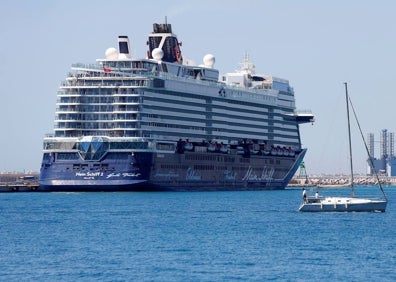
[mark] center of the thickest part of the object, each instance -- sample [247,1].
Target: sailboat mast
[349,137]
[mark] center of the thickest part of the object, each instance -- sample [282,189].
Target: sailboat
[352,203]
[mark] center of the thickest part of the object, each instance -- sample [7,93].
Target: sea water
[201,236]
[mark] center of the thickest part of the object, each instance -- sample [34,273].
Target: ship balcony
[63,122]
[124,120]
[135,82]
[67,110]
[129,92]
[174,130]
[68,95]
[68,103]
[101,120]
[125,111]
[128,128]
[124,126]
[93,108]
[121,103]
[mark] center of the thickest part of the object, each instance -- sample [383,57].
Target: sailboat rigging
[347,204]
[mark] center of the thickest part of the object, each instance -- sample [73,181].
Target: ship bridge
[303,116]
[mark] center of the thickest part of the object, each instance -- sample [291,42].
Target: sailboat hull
[343,204]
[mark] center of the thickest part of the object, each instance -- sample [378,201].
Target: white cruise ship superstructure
[160,123]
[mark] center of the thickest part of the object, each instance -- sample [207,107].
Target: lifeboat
[188,146]
[224,149]
[211,147]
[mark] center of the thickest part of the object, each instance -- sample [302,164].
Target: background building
[386,163]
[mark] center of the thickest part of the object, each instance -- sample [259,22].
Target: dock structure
[14,187]
[18,182]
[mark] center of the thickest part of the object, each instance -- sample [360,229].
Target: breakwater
[341,180]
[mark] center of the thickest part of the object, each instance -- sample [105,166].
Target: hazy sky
[316,45]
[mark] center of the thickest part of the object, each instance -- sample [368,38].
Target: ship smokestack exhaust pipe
[123,46]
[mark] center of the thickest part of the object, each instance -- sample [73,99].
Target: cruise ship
[162,123]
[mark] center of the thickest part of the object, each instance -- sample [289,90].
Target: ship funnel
[123,45]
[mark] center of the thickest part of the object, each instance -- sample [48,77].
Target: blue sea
[200,236]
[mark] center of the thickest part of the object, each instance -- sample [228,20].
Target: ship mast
[247,66]
[349,137]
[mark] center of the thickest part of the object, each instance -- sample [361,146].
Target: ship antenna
[247,65]
[166,20]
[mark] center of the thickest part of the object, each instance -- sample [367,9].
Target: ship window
[167,147]
[258,78]
[204,167]
[92,148]
[281,86]
[229,159]
[67,156]
[46,157]
[128,145]
[117,156]
[154,42]
[123,47]
[171,50]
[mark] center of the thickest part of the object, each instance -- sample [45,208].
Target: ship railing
[237,92]
[235,89]
[149,74]
[302,112]
[113,71]
[133,83]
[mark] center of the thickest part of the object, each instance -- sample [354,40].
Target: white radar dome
[157,54]
[209,60]
[111,53]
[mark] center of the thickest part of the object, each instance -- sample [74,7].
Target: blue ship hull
[145,174]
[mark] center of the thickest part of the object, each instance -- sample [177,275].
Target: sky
[316,45]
